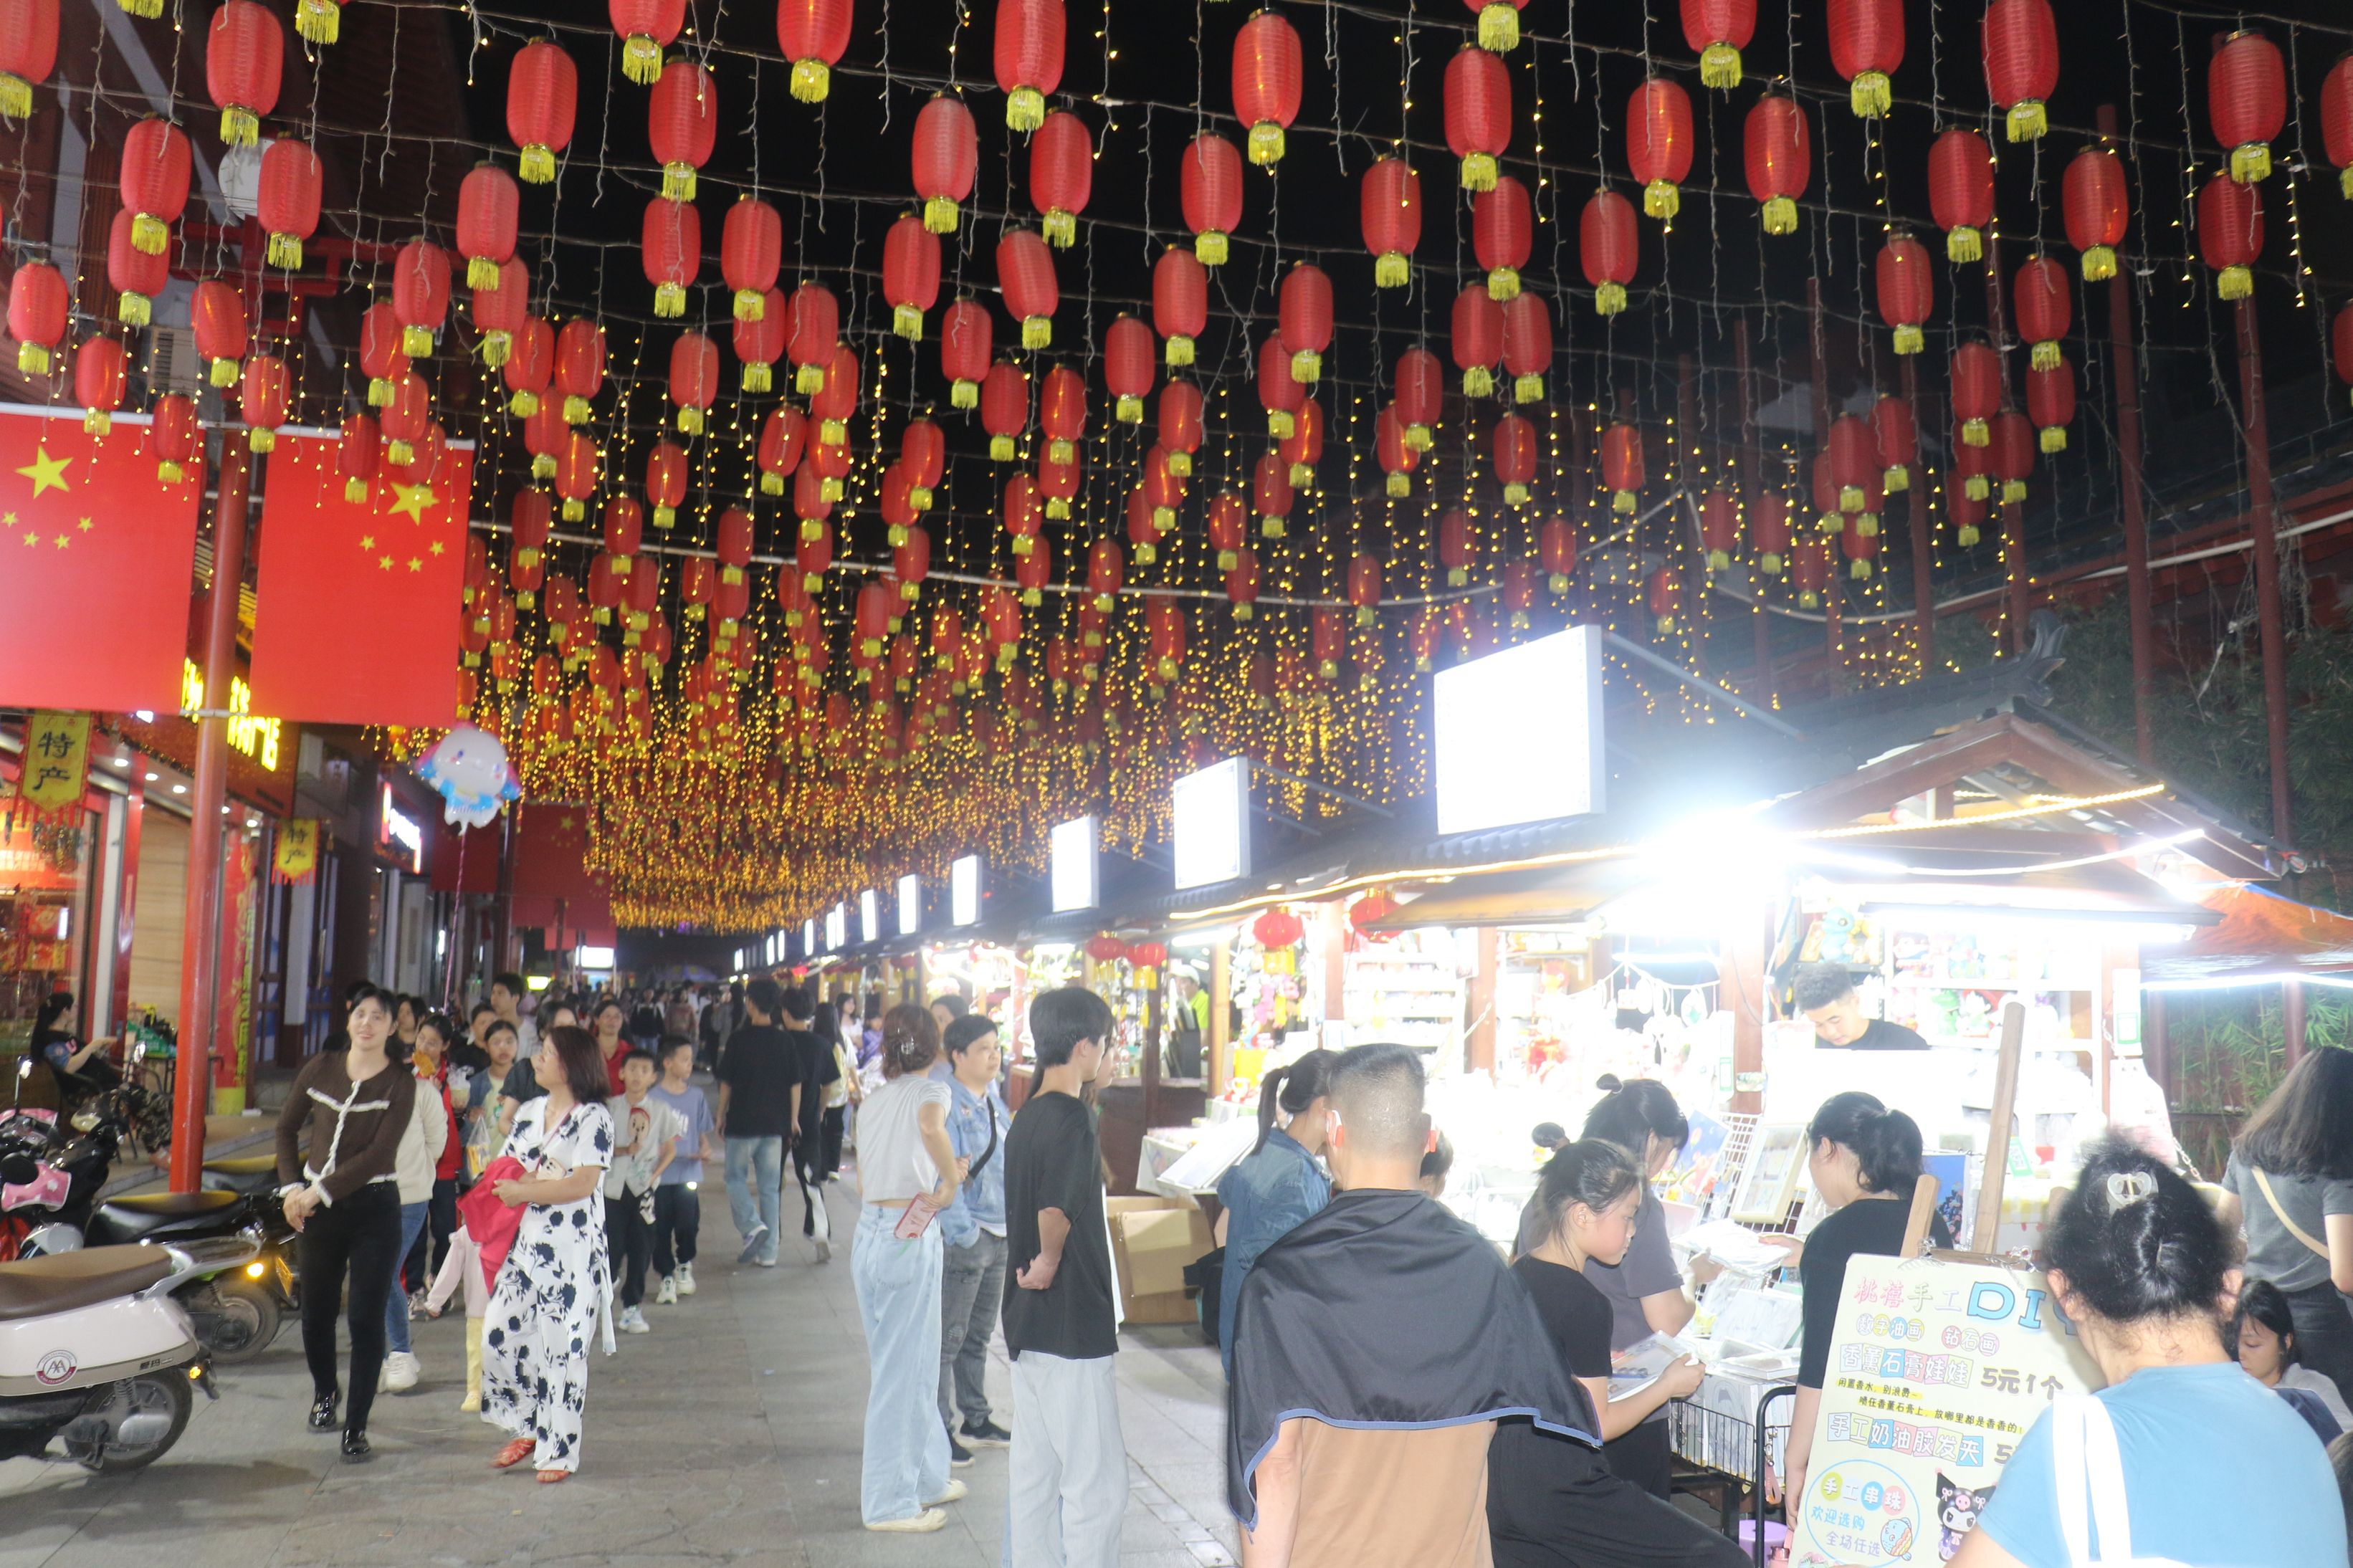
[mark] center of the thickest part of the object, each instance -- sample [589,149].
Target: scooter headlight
[86,1120]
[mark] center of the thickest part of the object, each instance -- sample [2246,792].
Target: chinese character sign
[1937,1370]
[56,761]
[297,856]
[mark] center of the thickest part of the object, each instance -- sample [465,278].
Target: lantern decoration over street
[1621,465]
[1394,453]
[1209,187]
[1127,367]
[1866,45]
[759,342]
[1515,457]
[261,397]
[28,53]
[1663,592]
[1478,115]
[530,364]
[487,203]
[286,202]
[1004,408]
[670,245]
[1503,234]
[1389,209]
[2096,207]
[2045,308]
[579,366]
[1499,23]
[1142,533]
[172,437]
[910,563]
[814,327]
[682,125]
[2336,121]
[1904,284]
[575,473]
[625,531]
[135,275]
[1519,595]
[1810,565]
[1476,339]
[812,34]
[1224,526]
[217,317]
[2013,454]
[1304,317]
[1609,246]
[647,28]
[945,159]
[1025,275]
[1860,542]
[750,255]
[1527,345]
[1061,175]
[911,274]
[1266,83]
[1779,152]
[1364,588]
[1028,58]
[1270,494]
[2051,402]
[1420,389]
[1180,303]
[1854,462]
[1457,548]
[693,378]
[833,404]
[542,97]
[405,419]
[1062,411]
[420,294]
[1960,192]
[1557,553]
[99,380]
[1718,30]
[1896,433]
[244,55]
[155,167]
[1180,427]
[2246,102]
[1768,531]
[1719,527]
[1977,391]
[1971,465]
[1302,449]
[782,434]
[2022,63]
[2231,234]
[1105,573]
[1659,143]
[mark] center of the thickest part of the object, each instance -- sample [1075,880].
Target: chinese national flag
[355,612]
[96,560]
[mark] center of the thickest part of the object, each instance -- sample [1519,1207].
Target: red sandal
[513,1454]
[549,1477]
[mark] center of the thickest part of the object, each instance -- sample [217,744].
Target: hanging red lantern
[1241,581]
[2022,63]
[1104,570]
[155,162]
[575,475]
[625,531]
[1502,233]
[1971,462]
[760,342]
[1768,531]
[1303,315]
[1779,157]
[1897,434]
[1854,461]
[1389,210]
[1809,568]
[1515,457]
[487,203]
[647,28]
[2051,402]
[97,382]
[1326,639]
[1659,143]
[1609,247]
[216,316]
[1025,275]
[1023,515]
[1127,366]
[1266,83]
[1557,553]
[1718,30]
[543,94]
[945,159]
[813,34]
[1457,547]
[2246,102]
[910,563]
[420,295]
[2013,453]
[2097,206]
[286,202]
[1866,45]
[911,275]
[1270,494]
[1861,543]
[579,366]
[1364,588]
[173,435]
[1210,184]
[1621,465]
[1420,387]
[1279,395]
[966,349]
[2231,234]
[1977,391]
[1059,483]
[1028,58]
[543,434]
[835,403]
[1302,449]
[28,53]
[1906,286]
[693,378]
[1004,408]
[1180,424]
[671,244]
[530,363]
[37,307]
[1527,345]
[135,275]
[813,331]
[1062,411]
[1478,115]
[1519,599]
[778,454]
[1142,533]
[2336,121]
[750,254]
[1180,303]
[682,125]
[1960,192]
[244,55]
[1476,341]
[1719,529]
[1664,592]
[1061,175]
[261,395]
[1396,456]
[498,313]
[1224,523]
[2045,310]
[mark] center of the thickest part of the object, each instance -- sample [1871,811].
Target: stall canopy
[2257,937]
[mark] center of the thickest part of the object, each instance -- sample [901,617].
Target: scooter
[95,1352]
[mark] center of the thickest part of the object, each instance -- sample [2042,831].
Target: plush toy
[468,766]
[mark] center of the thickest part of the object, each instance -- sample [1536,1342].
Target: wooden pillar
[1153,1037]
[2292,1023]
[1752,464]
[1740,971]
[2266,554]
[1479,1042]
[1221,958]
[2124,371]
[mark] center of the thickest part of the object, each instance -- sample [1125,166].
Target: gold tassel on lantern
[1719,66]
[1479,172]
[907,323]
[1527,389]
[319,21]
[2053,438]
[1061,228]
[1909,340]
[1177,352]
[2027,121]
[575,411]
[1479,382]
[1266,142]
[1859,570]
[495,345]
[2012,491]
[1515,495]
[1037,331]
[809,379]
[920,496]
[1000,448]
[1503,283]
[33,359]
[355,491]
[1128,410]
[1868,95]
[758,376]
[284,252]
[1964,244]
[2236,283]
[1499,28]
[1209,248]
[537,164]
[224,372]
[1660,199]
[1622,501]
[669,300]
[1974,433]
[2099,263]
[940,215]
[1967,536]
[574,510]
[2043,356]
[416,343]
[690,421]
[678,182]
[750,305]
[543,465]
[1399,487]
[1307,367]
[239,126]
[260,440]
[399,452]
[15,97]
[97,421]
[170,473]
[1894,479]
[1270,528]
[522,404]
[149,234]
[641,59]
[1608,299]
[812,78]
[1181,464]
[1279,424]
[1024,109]
[481,273]
[1867,525]
[1780,215]
[1302,475]
[1977,487]
[134,308]
[149,9]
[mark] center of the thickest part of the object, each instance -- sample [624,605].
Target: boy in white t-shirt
[645,1136]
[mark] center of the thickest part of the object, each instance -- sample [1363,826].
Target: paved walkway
[728,1434]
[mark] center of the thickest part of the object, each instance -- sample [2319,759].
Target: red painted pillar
[200,944]
[2125,373]
[2266,552]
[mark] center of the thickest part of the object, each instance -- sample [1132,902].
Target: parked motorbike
[95,1352]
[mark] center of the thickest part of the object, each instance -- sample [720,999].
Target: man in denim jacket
[972,1283]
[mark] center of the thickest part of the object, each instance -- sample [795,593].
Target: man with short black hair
[506,996]
[1825,994]
[759,1103]
[813,1067]
[1068,1476]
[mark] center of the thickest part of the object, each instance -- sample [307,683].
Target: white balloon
[469,767]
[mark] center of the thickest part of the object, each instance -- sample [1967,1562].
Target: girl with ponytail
[1278,1184]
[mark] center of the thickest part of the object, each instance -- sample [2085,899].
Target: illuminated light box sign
[1516,736]
[870,915]
[808,937]
[963,891]
[1211,824]
[397,831]
[595,958]
[910,905]
[1076,880]
[837,928]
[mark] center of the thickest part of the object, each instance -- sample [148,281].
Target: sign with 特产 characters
[1938,1369]
[55,763]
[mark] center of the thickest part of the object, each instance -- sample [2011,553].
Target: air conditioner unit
[172,363]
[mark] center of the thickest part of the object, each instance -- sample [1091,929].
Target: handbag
[492,1224]
[2087,1467]
[2264,1185]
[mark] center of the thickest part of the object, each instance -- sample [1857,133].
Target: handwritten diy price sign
[1938,1368]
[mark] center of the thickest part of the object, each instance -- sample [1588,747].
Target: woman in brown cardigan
[341,1196]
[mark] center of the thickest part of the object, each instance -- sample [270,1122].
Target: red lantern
[1303,447]
[499,313]
[155,163]
[647,28]
[2246,102]
[1180,426]
[420,294]
[172,435]
[1779,157]
[1556,550]
[835,402]
[1127,366]
[759,342]
[923,450]
[1062,411]
[1303,315]
[487,216]
[1420,388]
[672,244]
[812,34]
[1898,435]
[2097,206]
[1519,596]
[1004,408]
[1515,457]
[1266,83]
[1854,461]
[1866,45]
[530,364]
[1104,570]
[1180,303]
[1659,143]
[2231,234]
[2022,63]
[97,382]
[1477,339]
[910,563]
[2013,453]
[1977,391]
[37,306]
[1768,531]
[543,94]
[1024,516]
[1389,209]
[243,54]
[1364,587]
[1028,58]
[1809,571]
[1718,30]
[1241,581]
[1280,395]
[217,315]
[1025,275]
[1457,548]
[579,366]
[911,274]
[1210,183]
[1906,287]
[136,276]
[750,254]
[1608,245]
[286,200]
[1664,591]
[2336,120]
[1719,529]
[1527,345]
[1326,641]
[1621,465]
[1971,463]
[693,378]
[1141,531]
[575,475]
[1271,493]
[682,125]
[1861,543]
[1397,457]
[1478,115]
[813,331]
[1061,175]
[261,397]
[2051,402]
[1502,233]
[967,350]
[28,53]
[1059,483]
[945,159]
[2045,311]
[1960,192]
[1499,23]
[1225,522]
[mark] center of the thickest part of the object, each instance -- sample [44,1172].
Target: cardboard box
[1152,1241]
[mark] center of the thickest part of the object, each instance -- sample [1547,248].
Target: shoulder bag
[2264,1185]
[2088,1467]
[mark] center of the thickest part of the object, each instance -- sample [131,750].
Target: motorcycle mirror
[24,1068]
[19,1170]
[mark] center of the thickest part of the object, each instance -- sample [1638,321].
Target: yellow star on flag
[83,525]
[63,541]
[367,541]
[32,538]
[414,564]
[414,500]
[436,547]
[385,562]
[46,473]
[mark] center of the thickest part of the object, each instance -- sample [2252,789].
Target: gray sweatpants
[1068,1475]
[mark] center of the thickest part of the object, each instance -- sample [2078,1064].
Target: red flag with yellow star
[96,558]
[355,612]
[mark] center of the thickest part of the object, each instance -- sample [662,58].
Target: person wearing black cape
[1375,1347]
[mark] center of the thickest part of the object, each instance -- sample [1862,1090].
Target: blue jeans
[396,1306]
[761,1161]
[906,1456]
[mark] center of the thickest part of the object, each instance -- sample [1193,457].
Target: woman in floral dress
[557,1279]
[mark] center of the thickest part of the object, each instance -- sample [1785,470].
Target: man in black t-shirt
[1068,1473]
[813,1067]
[1825,994]
[759,1103]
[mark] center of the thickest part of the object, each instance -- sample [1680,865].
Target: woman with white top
[907,1173]
[421,1142]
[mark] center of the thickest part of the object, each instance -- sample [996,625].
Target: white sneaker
[633,1321]
[957,1491]
[924,1523]
[400,1370]
[824,1249]
[685,1278]
[667,1295]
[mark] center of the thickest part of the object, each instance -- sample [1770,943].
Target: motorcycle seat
[36,1287]
[244,1165]
[128,1219]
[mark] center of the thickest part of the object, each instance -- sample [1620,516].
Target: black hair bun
[1607,1083]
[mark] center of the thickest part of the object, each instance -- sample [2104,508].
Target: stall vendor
[1826,997]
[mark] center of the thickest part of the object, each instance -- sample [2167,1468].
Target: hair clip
[2127,1188]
